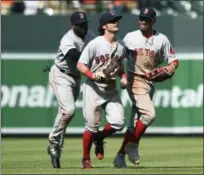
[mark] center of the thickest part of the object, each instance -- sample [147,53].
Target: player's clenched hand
[123,82]
[98,75]
[170,69]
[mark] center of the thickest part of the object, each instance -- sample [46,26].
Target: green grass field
[158,155]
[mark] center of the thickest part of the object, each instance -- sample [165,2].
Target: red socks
[135,138]
[87,143]
[88,139]
[128,137]
[107,131]
[139,130]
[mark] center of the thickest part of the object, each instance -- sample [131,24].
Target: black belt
[106,81]
[138,75]
[67,73]
[141,76]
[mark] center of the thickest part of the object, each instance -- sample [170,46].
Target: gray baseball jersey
[65,87]
[97,53]
[95,94]
[70,41]
[147,53]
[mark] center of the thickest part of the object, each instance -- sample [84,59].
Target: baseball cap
[78,17]
[148,13]
[108,16]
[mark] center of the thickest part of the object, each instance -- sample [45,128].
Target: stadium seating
[191,8]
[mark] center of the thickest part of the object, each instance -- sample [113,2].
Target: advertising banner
[28,105]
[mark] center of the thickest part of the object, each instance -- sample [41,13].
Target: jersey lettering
[151,54]
[102,58]
[105,58]
[146,52]
[97,60]
[140,51]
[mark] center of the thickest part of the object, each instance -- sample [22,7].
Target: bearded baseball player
[102,61]
[147,49]
[64,79]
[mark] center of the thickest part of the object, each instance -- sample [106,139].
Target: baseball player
[65,80]
[102,61]
[147,49]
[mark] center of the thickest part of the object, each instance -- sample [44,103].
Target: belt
[106,81]
[141,76]
[67,73]
[138,75]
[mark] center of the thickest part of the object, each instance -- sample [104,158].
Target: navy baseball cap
[78,18]
[148,13]
[107,17]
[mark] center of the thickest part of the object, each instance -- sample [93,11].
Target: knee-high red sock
[129,137]
[107,131]
[87,143]
[139,130]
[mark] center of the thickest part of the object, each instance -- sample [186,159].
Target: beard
[80,32]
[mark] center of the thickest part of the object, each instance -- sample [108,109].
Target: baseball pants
[66,90]
[94,102]
[141,92]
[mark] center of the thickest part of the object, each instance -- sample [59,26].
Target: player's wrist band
[123,75]
[89,74]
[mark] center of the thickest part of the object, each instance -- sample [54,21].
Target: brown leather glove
[160,74]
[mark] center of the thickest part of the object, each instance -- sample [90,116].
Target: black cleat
[99,149]
[55,160]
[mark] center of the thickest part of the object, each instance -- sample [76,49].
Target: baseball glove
[99,75]
[159,74]
[110,69]
[107,71]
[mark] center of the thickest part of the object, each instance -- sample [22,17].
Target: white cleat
[132,151]
[119,161]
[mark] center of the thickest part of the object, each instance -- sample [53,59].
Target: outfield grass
[158,156]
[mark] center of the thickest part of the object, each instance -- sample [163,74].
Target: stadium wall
[28,105]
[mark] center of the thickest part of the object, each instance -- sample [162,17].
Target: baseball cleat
[119,161]
[55,161]
[132,151]
[99,149]
[86,163]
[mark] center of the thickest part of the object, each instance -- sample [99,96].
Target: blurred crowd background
[192,8]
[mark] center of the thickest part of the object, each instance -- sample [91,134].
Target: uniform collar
[149,39]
